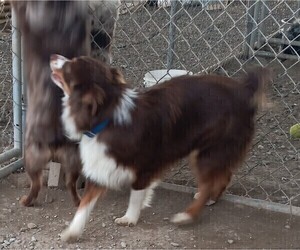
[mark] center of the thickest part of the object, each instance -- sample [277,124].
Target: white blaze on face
[57,62]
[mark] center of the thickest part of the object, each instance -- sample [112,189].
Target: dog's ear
[94,98]
[117,76]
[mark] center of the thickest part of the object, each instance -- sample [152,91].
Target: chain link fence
[10,93]
[6,124]
[226,37]
[207,36]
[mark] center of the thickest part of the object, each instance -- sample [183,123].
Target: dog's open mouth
[57,79]
[56,64]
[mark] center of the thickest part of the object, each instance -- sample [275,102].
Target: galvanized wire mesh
[6,100]
[225,37]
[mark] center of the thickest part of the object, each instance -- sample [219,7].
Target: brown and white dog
[130,138]
[55,27]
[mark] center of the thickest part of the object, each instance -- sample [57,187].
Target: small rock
[123,244]
[55,216]
[23,229]
[103,225]
[33,239]
[287,226]
[260,146]
[230,241]
[174,244]
[12,239]
[166,218]
[31,225]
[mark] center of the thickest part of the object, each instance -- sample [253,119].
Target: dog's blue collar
[97,129]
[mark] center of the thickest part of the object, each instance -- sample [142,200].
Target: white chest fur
[100,168]
[68,121]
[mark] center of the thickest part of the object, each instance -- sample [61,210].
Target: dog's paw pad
[182,219]
[125,221]
[68,236]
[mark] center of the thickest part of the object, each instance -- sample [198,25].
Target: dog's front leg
[136,200]
[91,194]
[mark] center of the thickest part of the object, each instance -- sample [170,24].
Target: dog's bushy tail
[255,83]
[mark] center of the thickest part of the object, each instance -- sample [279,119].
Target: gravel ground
[224,225]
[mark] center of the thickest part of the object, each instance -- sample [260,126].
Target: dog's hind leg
[205,168]
[213,169]
[197,205]
[69,157]
[36,158]
[71,184]
[35,186]
[220,182]
[91,194]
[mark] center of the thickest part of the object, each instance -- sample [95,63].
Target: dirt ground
[223,225]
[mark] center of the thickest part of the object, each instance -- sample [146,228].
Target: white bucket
[158,76]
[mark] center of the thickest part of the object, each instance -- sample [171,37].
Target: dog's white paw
[196,196]
[181,219]
[68,235]
[125,221]
[209,203]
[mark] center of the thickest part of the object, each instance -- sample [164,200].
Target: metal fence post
[249,30]
[17,83]
[172,34]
